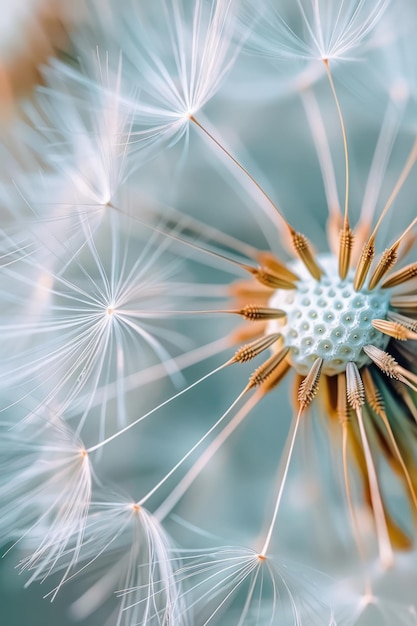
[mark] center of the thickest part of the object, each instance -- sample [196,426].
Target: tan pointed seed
[354,386]
[383,360]
[251,350]
[394,329]
[342,407]
[309,386]
[401,276]
[269,279]
[387,260]
[264,371]
[345,250]
[407,302]
[372,394]
[255,313]
[408,322]
[365,261]
[304,252]
[268,260]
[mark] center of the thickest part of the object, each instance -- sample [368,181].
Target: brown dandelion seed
[309,386]
[304,251]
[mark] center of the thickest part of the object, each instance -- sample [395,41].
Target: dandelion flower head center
[329,319]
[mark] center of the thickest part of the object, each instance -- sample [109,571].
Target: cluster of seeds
[328,319]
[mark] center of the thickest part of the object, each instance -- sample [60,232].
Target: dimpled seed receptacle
[329,319]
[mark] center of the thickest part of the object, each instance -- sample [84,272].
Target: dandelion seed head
[169,331]
[328,319]
[316,30]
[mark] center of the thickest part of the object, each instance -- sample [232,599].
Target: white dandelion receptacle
[328,319]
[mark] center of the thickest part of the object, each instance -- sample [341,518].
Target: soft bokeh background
[259,115]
